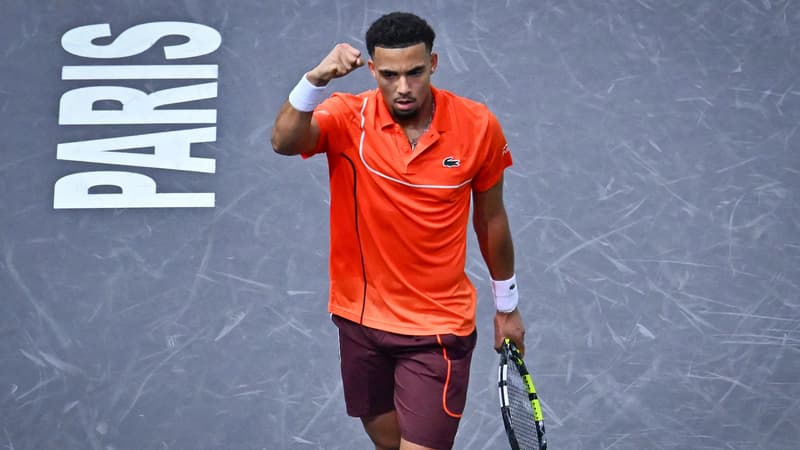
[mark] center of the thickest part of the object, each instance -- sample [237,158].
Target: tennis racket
[522,413]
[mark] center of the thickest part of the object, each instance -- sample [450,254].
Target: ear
[434,61]
[371,66]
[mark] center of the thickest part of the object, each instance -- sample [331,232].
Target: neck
[421,120]
[414,132]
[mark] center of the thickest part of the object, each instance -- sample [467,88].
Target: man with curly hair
[404,161]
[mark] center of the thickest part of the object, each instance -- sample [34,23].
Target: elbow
[279,146]
[280,150]
[486,225]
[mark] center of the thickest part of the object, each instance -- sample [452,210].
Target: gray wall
[653,200]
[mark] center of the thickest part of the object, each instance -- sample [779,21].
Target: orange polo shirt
[399,217]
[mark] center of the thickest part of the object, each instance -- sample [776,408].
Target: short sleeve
[498,156]
[328,116]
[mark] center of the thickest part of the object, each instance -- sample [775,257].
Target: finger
[351,50]
[347,51]
[501,341]
[516,341]
[344,65]
[353,56]
[352,60]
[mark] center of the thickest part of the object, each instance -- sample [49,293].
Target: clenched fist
[342,60]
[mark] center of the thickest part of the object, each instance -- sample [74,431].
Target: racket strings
[521,410]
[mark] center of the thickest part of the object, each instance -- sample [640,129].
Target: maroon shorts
[423,378]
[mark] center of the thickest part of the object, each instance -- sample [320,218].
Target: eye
[415,73]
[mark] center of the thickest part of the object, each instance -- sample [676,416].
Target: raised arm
[494,238]
[295,130]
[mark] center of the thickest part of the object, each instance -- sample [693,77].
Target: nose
[403,86]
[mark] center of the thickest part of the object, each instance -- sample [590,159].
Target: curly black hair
[398,30]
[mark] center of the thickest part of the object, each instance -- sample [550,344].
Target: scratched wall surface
[653,200]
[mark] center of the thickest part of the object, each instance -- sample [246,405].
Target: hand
[342,60]
[509,325]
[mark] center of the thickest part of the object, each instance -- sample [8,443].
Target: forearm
[295,130]
[497,247]
[494,238]
[291,133]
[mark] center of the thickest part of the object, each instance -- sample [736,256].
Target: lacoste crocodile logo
[451,162]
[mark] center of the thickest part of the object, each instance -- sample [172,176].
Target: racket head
[519,403]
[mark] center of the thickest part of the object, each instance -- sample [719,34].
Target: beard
[405,114]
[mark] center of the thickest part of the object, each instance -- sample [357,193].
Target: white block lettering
[120,72]
[137,39]
[77,107]
[171,150]
[137,191]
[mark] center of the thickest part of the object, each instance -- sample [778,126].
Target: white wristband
[305,96]
[506,296]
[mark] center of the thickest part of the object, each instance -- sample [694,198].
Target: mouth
[405,103]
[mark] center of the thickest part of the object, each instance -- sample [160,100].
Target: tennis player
[404,161]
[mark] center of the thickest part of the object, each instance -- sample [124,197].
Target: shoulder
[342,106]
[348,100]
[465,109]
[468,117]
